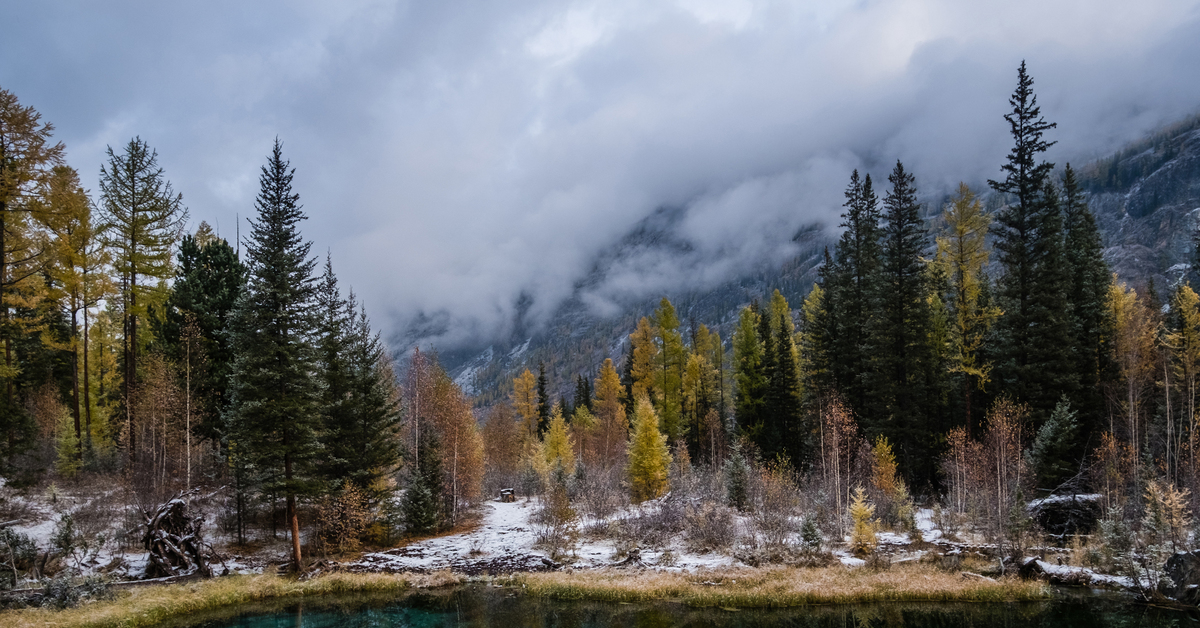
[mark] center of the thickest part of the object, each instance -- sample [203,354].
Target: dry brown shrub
[341,521]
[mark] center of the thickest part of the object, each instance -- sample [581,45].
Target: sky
[453,156]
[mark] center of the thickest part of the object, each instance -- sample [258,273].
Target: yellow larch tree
[612,426]
[559,448]
[649,458]
[645,354]
[525,401]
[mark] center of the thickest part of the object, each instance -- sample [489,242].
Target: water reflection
[498,608]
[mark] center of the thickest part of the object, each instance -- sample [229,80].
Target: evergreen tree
[904,359]
[1050,455]
[359,406]
[274,406]
[543,401]
[850,289]
[144,217]
[1033,364]
[209,277]
[749,378]
[422,505]
[583,394]
[1091,326]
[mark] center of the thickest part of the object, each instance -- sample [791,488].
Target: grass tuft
[155,605]
[779,587]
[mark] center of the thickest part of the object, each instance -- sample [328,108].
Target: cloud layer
[453,156]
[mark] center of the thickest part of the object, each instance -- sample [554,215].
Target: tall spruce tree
[904,360]
[274,411]
[209,277]
[1091,323]
[850,289]
[543,400]
[1033,364]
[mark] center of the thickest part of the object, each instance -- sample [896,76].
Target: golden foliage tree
[1135,331]
[525,401]
[962,253]
[645,357]
[612,426]
[862,538]
[559,448]
[649,458]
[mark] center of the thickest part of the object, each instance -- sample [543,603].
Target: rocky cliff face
[1146,199]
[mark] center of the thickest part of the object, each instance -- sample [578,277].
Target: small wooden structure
[508,495]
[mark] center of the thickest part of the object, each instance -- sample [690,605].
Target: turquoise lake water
[500,608]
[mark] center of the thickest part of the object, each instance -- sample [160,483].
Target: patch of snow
[516,352]
[1059,499]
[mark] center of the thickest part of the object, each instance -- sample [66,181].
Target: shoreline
[748,587]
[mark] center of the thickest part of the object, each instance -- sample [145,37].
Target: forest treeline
[170,360]
[1046,375]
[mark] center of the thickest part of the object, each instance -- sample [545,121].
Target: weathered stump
[174,541]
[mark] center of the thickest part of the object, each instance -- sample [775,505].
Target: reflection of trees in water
[504,608]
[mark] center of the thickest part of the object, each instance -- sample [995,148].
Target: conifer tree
[359,404]
[669,370]
[963,254]
[144,217]
[559,448]
[209,277]
[583,394]
[27,158]
[543,401]
[1033,364]
[849,280]
[524,401]
[749,378]
[422,505]
[649,458]
[610,414]
[274,411]
[642,368]
[904,359]
[1088,281]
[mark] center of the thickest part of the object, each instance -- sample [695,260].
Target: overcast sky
[452,155]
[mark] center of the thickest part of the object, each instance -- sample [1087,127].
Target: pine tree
[849,281]
[423,499]
[1034,331]
[649,458]
[1091,326]
[274,411]
[144,217]
[1051,452]
[543,401]
[209,277]
[904,359]
[359,405]
[583,394]
[749,378]
[610,414]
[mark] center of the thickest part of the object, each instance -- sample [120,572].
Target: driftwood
[174,541]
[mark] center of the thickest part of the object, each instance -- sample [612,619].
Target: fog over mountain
[463,160]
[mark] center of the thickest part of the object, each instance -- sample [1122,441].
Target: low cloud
[455,156]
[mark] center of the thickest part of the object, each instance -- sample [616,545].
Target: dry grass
[780,587]
[156,605]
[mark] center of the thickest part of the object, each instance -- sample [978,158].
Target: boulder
[1066,515]
[1184,571]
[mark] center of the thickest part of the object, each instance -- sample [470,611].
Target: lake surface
[491,607]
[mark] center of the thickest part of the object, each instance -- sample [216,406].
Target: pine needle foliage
[862,536]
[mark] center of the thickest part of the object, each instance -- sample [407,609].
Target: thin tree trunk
[87,385]
[75,383]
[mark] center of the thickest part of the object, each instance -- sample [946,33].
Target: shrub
[341,520]
[710,527]
[557,522]
[862,538]
[737,480]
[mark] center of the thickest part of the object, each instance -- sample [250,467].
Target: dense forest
[971,364]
